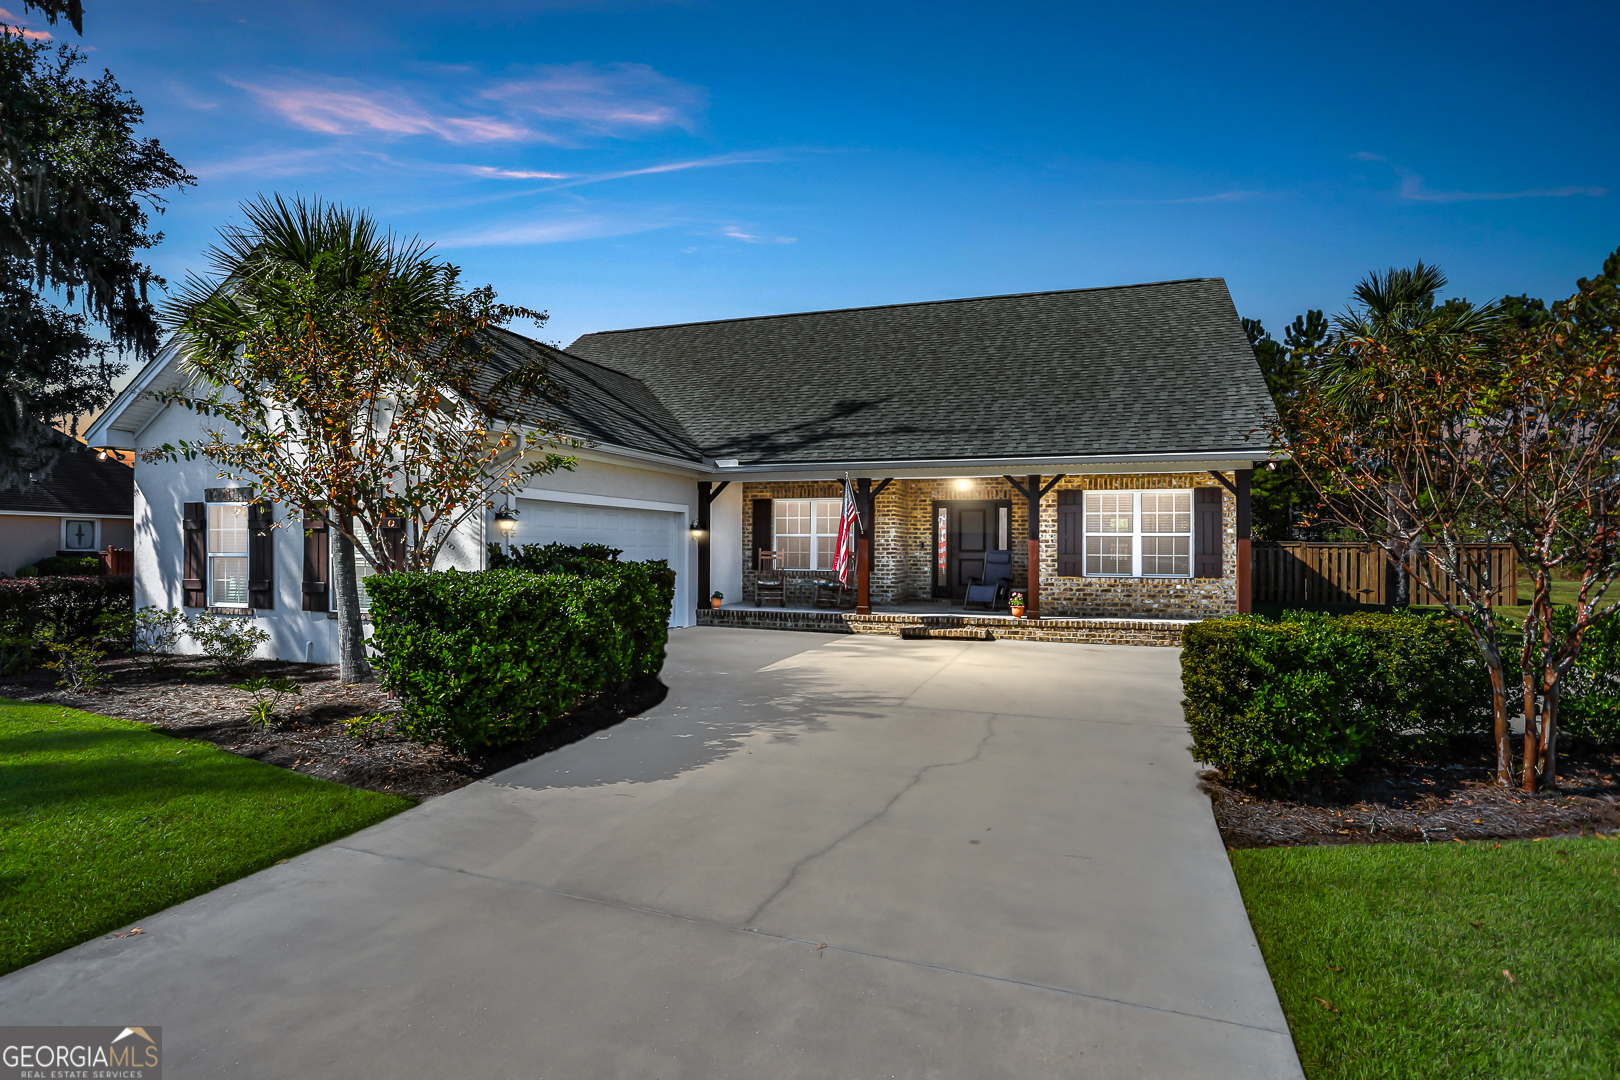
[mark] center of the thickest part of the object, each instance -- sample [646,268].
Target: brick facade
[903,550]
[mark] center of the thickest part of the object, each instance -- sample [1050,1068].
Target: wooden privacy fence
[1293,573]
[117,560]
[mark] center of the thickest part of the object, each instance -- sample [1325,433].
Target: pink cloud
[31,35]
[349,111]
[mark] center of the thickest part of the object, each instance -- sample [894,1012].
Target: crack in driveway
[989,730]
[847,950]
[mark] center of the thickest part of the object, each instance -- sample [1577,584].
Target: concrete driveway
[822,856]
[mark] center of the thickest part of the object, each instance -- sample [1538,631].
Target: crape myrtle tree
[1463,427]
[354,379]
[76,189]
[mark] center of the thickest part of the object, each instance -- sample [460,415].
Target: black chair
[993,586]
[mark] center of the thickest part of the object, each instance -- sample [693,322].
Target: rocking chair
[994,586]
[769,580]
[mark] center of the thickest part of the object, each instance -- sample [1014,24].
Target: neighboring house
[1116,420]
[81,505]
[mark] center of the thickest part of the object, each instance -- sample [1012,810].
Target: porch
[923,538]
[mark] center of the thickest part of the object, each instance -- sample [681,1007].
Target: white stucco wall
[726,555]
[162,490]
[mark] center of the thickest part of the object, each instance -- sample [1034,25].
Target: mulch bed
[307,734]
[1452,797]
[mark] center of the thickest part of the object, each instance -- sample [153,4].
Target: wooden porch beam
[863,546]
[705,498]
[1224,482]
[710,496]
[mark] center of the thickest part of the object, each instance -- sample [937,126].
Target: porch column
[863,546]
[1245,591]
[1032,598]
[703,576]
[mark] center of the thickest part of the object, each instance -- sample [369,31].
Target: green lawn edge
[1382,973]
[104,822]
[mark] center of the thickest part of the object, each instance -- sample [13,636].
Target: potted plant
[716,598]
[1016,603]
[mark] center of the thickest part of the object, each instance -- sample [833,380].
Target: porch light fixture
[505,521]
[697,530]
[963,483]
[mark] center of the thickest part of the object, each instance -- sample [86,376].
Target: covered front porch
[1177,552]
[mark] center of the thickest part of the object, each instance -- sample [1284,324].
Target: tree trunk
[352,665]
[1502,733]
[1532,738]
[1549,735]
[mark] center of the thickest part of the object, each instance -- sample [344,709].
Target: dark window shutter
[261,556]
[1207,532]
[193,586]
[764,527]
[1071,533]
[317,564]
[393,541]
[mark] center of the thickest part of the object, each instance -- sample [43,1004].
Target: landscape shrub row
[488,658]
[1274,703]
[1589,705]
[65,608]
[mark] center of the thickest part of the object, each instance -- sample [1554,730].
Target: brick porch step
[1161,632]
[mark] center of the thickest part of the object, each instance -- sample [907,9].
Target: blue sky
[628,164]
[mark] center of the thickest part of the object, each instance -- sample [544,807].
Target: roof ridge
[884,307]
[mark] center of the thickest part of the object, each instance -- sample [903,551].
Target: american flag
[842,561]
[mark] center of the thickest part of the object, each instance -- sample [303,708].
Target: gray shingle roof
[1138,369]
[77,482]
[602,404]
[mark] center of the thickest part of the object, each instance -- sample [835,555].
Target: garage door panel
[642,535]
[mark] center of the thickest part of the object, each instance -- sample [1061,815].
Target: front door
[963,532]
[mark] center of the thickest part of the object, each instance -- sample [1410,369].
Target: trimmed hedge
[489,658]
[63,608]
[1304,698]
[1589,704]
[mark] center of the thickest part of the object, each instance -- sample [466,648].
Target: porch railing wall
[1302,573]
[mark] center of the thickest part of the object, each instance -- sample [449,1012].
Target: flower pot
[716,604]
[1017,613]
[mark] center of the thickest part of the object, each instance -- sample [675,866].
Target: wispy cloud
[491,172]
[279,163]
[1413,189]
[31,35]
[352,109]
[755,238]
[746,157]
[550,231]
[560,105]
[611,100]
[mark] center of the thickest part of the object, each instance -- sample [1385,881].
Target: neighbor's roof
[601,404]
[79,482]
[1136,369]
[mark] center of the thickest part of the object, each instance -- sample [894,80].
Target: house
[82,504]
[1102,436]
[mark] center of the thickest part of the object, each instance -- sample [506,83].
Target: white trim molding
[582,499]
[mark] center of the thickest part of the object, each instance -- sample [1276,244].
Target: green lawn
[1421,991]
[103,822]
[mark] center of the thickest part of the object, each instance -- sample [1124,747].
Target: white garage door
[640,534]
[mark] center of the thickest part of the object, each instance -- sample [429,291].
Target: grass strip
[103,822]
[1444,960]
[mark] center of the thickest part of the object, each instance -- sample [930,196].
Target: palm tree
[293,271]
[1393,311]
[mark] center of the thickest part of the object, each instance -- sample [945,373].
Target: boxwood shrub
[1274,703]
[65,608]
[488,658]
[1589,704]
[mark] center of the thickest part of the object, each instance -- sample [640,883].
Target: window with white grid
[1166,533]
[1138,534]
[807,532]
[1110,529]
[227,554]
